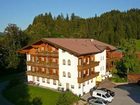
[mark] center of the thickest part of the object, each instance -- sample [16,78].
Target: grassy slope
[138,45]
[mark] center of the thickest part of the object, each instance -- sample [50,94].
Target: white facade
[101,68]
[68,65]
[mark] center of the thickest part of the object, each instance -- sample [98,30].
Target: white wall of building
[78,89]
[41,83]
[101,68]
[72,69]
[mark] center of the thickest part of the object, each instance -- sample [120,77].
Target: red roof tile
[78,46]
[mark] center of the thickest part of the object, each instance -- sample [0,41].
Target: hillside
[110,27]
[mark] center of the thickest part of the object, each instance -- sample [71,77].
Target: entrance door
[67,86]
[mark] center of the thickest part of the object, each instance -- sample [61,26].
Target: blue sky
[22,12]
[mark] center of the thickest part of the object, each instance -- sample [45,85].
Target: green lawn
[18,94]
[138,45]
[48,97]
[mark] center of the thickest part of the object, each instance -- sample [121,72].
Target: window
[37,78]
[103,96]
[54,71]
[87,82]
[37,59]
[37,69]
[84,60]
[64,74]
[47,71]
[79,85]
[92,58]
[42,48]
[69,62]
[43,80]
[72,86]
[64,62]
[43,70]
[84,84]
[87,60]
[80,62]
[54,82]
[33,69]
[98,94]
[88,72]
[59,83]
[69,75]
[42,58]
[79,74]
[48,81]
[33,58]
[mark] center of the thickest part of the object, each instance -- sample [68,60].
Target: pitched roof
[77,46]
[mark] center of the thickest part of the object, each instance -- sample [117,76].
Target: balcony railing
[55,77]
[86,66]
[43,64]
[91,76]
[46,53]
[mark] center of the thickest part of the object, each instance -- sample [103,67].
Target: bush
[36,101]
[67,98]
[118,79]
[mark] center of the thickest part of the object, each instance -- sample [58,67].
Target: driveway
[126,94]
[3,101]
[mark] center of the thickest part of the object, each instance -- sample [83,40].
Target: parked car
[108,91]
[103,95]
[97,101]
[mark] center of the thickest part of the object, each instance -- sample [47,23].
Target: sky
[22,12]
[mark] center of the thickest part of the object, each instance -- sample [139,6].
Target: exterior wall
[79,88]
[101,68]
[41,83]
[72,69]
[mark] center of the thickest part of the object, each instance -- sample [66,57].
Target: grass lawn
[48,97]
[19,93]
[138,45]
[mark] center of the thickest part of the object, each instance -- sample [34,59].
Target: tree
[130,60]
[14,39]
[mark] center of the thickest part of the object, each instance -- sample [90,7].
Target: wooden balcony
[91,76]
[55,77]
[44,53]
[43,64]
[90,65]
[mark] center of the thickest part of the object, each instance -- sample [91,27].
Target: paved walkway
[3,101]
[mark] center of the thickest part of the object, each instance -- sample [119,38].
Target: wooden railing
[86,66]
[46,53]
[91,76]
[55,77]
[43,64]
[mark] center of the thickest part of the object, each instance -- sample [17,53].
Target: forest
[113,27]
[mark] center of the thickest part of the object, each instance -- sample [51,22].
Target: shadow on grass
[133,89]
[17,92]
